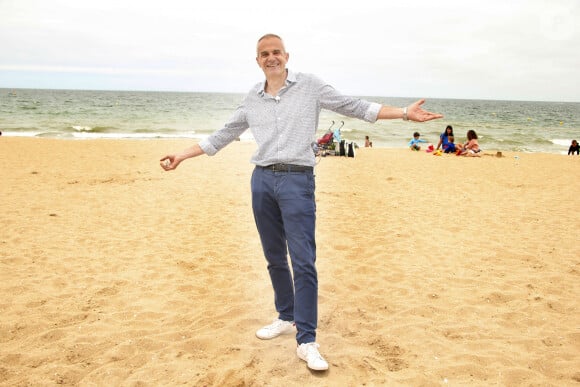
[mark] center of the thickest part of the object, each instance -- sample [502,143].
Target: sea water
[77,114]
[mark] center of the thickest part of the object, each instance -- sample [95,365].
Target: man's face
[272,57]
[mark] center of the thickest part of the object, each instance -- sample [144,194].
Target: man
[282,113]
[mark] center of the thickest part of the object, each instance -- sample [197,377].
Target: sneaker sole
[322,368]
[285,332]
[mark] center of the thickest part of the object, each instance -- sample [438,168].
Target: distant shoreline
[186,140]
[244,93]
[508,126]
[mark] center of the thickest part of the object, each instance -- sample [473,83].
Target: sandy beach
[433,271]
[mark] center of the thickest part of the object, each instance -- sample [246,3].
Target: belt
[287,168]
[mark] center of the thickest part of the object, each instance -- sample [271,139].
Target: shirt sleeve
[333,100]
[232,130]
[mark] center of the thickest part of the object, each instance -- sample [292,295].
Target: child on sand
[471,147]
[415,141]
[450,147]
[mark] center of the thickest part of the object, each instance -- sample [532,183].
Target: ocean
[520,126]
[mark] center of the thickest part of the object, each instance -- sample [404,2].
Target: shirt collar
[290,79]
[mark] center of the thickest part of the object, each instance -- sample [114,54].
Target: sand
[433,270]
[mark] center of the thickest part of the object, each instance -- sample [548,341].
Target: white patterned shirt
[284,126]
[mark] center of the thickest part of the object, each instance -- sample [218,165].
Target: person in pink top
[471,147]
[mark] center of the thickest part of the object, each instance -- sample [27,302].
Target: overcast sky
[493,49]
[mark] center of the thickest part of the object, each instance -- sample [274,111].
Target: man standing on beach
[282,113]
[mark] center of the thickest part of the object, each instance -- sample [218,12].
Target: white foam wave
[81,128]
[562,142]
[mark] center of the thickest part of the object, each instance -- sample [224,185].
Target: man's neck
[275,83]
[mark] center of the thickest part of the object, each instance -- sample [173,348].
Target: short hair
[269,36]
[416,134]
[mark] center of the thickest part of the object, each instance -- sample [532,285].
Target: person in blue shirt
[415,141]
[282,112]
[446,141]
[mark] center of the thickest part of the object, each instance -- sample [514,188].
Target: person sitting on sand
[415,141]
[574,148]
[368,142]
[471,147]
[446,141]
[450,146]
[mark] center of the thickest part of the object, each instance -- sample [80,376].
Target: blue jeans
[285,215]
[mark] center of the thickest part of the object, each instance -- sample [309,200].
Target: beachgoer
[471,146]
[415,141]
[574,148]
[368,142]
[282,113]
[450,147]
[446,141]
[444,137]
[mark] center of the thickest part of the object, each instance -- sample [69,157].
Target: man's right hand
[169,162]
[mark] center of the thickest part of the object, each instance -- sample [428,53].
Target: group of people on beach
[470,148]
[447,143]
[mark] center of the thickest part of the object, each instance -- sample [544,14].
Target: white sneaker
[277,328]
[309,353]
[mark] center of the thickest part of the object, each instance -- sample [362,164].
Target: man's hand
[415,113]
[172,161]
[169,162]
